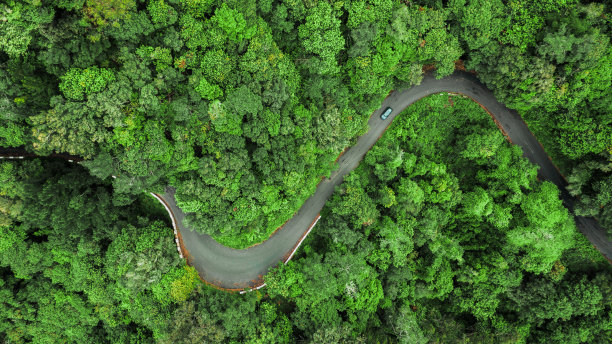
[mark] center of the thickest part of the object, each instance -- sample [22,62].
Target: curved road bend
[235,269]
[239,269]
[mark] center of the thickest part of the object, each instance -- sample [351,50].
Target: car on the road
[386,113]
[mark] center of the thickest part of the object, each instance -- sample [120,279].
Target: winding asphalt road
[236,269]
[230,268]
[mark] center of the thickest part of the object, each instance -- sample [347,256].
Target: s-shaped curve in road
[230,268]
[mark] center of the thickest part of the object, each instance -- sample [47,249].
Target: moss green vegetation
[442,235]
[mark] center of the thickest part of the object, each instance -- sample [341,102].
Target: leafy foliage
[77,83]
[463,236]
[591,181]
[443,234]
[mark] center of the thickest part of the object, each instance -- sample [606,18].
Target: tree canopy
[443,234]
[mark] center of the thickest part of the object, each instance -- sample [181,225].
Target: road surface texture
[229,268]
[236,269]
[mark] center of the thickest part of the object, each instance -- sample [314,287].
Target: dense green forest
[443,234]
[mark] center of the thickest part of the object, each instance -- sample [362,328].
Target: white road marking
[174,224]
[303,237]
[250,290]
